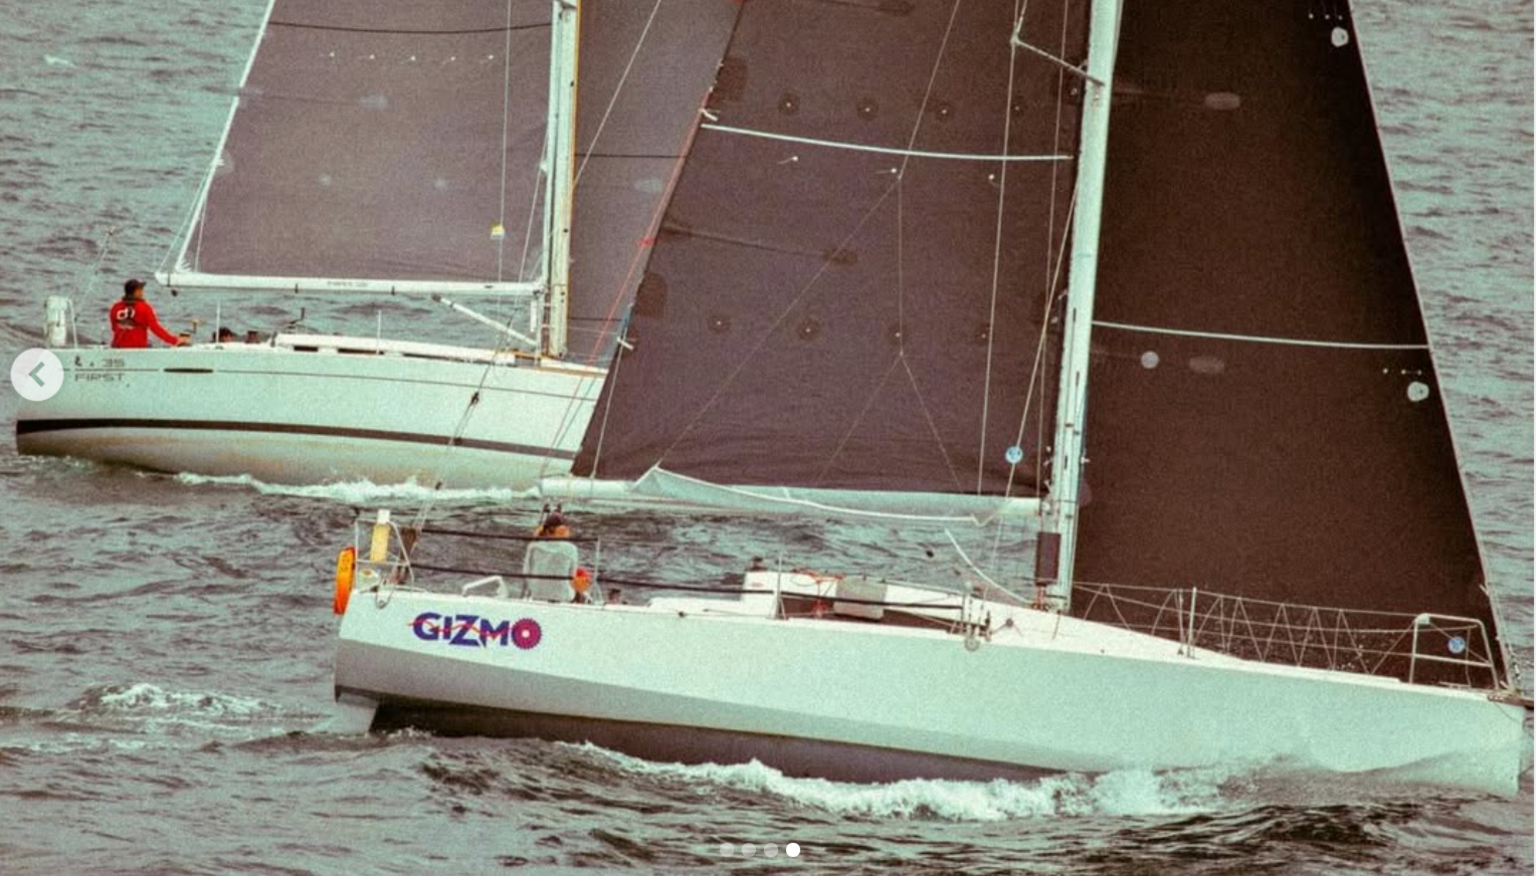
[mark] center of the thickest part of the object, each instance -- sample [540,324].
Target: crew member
[133,319]
[551,562]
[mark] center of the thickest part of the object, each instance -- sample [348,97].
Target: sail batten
[864,147]
[1254,339]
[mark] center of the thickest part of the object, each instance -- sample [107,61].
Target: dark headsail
[1264,415]
[645,68]
[850,286]
[378,140]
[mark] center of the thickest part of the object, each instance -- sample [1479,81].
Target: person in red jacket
[133,319]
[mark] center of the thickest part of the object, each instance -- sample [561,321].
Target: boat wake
[1120,793]
[366,492]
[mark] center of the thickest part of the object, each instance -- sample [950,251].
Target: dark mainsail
[1264,417]
[379,140]
[850,286]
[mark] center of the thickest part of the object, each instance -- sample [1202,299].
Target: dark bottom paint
[32,446]
[691,745]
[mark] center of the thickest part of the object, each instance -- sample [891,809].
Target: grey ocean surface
[166,642]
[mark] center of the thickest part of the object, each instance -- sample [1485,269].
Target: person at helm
[133,319]
[552,564]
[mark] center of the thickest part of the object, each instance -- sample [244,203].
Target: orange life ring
[346,565]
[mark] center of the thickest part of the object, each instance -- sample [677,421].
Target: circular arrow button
[37,374]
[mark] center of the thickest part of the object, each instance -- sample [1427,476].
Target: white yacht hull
[315,409]
[700,680]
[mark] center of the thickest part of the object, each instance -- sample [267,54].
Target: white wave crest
[145,698]
[366,492]
[1119,793]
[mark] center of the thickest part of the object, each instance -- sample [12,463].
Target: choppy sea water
[166,642]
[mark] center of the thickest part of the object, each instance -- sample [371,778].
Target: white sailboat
[890,203]
[373,151]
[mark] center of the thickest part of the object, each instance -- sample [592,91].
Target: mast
[1058,529]
[560,155]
